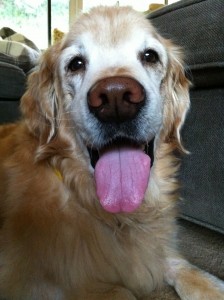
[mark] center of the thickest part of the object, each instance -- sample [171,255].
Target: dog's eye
[150,56]
[76,64]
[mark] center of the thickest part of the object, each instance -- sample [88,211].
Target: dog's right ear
[39,104]
[177,101]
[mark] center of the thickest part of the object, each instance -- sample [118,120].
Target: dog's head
[115,84]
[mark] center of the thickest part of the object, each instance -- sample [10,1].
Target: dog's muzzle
[116,99]
[122,168]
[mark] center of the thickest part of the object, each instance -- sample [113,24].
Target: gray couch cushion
[13,80]
[197,26]
[202,172]
[9,110]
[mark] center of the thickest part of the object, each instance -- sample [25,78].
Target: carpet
[200,246]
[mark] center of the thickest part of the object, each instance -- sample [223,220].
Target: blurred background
[40,20]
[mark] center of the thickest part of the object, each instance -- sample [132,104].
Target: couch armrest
[13,81]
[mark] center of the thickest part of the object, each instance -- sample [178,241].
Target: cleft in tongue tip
[122,176]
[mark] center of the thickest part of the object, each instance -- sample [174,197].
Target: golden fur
[56,241]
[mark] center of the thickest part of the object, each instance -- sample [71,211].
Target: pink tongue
[122,176]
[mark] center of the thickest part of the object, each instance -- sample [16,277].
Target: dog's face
[118,84]
[114,67]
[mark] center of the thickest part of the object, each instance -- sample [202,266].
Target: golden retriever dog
[87,177]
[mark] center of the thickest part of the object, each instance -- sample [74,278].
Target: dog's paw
[192,283]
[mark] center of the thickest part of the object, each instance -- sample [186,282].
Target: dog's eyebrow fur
[114,25]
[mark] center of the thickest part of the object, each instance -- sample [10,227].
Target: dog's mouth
[122,171]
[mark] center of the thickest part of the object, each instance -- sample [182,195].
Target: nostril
[96,100]
[104,98]
[127,96]
[135,94]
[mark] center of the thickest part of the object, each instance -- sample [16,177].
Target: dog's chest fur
[93,248]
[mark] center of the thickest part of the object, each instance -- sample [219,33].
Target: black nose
[116,99]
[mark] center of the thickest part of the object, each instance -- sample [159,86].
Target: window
[30,18]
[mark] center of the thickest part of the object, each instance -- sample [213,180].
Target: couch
[12,86]
[196,25]
[18,56]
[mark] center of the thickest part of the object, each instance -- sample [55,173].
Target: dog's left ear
[176,97]
[39,104]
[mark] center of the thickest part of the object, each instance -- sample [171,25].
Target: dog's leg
[113,293]
[192,283]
